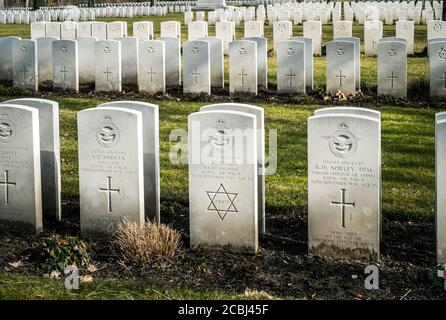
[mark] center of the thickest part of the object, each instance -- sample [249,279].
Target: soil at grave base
[367,98]
[282,267]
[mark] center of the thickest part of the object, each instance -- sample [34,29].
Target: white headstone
[226,31]
[6,57]
[68,30]
[260,138]
[282,30]
[111,170]
[65,65]
[253,29]
[291,67]
[313,30]
[200,16]
[196,67]
[48,113]
[52,29]
[108,66]
[243,66]
[373,32]
[20,184]
[262,60]
[437,68]
[357,43]
[171,29]
[197,29]
[150,139]
[341,67]
[217,61]
[99,30]
[436,29]
[405,30]
[86,57]
[440,190]
[84,29]
[38,30]
[172,48]
[344,174]
[129,60]
[24,64]
[392,68]
[152,73]
[342,28]
[223,204]
[143,30]
[308,61]
[115,30]
[188,17]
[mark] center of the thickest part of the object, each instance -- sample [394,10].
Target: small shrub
[139,244]
[64,251]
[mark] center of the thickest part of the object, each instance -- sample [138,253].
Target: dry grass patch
[141,244]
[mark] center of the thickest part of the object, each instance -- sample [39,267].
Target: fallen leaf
[86,278]
[91,268]
[16,264]
[254,293]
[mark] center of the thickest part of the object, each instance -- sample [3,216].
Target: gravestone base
[328,250]
[18,227]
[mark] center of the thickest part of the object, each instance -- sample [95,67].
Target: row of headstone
[296,12]
[71,30]
[373,31]
[143,30]
[22,16]
[108,64]
[120,181]
[126,61]
[387,12]
[343,66]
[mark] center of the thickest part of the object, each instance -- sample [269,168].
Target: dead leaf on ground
[254,293]
[92,268]
[86,278]
[16,264]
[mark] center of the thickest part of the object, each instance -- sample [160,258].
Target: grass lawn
[407,161]
[13,286]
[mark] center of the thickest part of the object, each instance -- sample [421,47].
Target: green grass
[14,287]
[407,162]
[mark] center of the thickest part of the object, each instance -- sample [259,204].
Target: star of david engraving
[222,201]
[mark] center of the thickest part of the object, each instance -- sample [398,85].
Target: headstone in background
[108,66]
[196,67]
